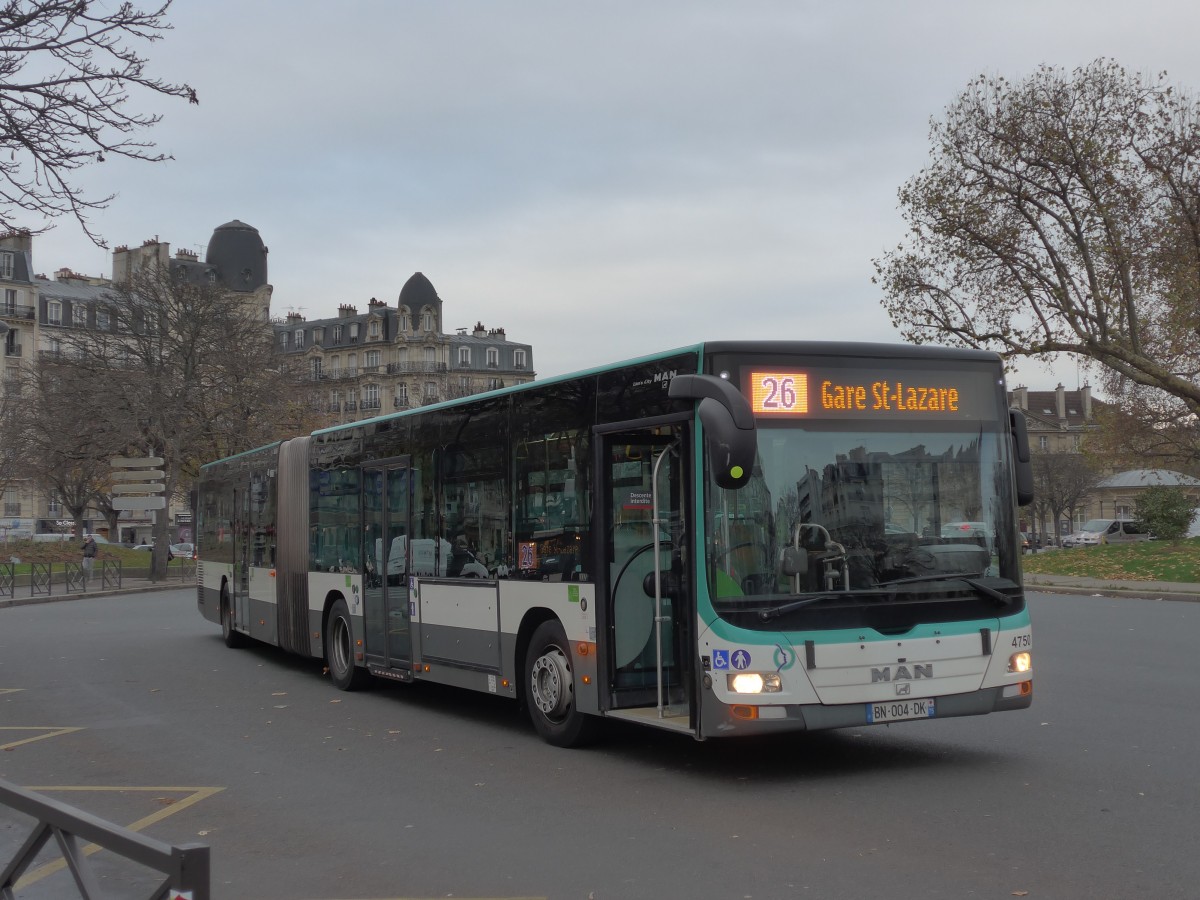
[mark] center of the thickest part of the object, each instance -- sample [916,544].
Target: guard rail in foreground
[185,867]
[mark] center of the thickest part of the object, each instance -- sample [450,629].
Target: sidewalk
[1107,587]
[128,586]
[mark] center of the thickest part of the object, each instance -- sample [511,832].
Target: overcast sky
[603,180]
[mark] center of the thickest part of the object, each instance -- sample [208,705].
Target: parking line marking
[51,731]
[197,794]
[11,690]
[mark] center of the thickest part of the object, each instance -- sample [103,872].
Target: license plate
[900,710]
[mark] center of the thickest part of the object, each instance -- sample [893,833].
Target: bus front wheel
[339,650]
[550,689]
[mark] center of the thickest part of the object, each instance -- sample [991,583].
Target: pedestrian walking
[89,556]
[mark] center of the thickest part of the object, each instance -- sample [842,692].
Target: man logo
[903,689]
[901,673]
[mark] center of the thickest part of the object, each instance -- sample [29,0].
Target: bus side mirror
[728,426]
[793,561]
[1024,467]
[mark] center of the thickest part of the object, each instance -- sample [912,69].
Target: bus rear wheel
[339,650]
[233,638]
[550,689]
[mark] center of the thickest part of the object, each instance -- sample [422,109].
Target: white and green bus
[732,538]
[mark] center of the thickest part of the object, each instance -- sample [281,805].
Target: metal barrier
[39,579]
[8,580]
[185,867]
[110,574]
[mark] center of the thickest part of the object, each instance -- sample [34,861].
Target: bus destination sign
[851,394]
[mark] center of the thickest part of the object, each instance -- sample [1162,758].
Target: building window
[299,338]
[402,395]
[283,340]
[402,356]
[10,300]
[426,320]
[493,357]
[54,312]
[430,356]
[337,334]
[494,384]
[79,315]
[431,390]
[55,346]
[371,359]
[102,319]
[464,383]
[316,369]
[374,328]
[1043,442]
[354,332]
[6,265]
[371,396]
[402,320]
[464,356]
[335,367]
[1076,441]
[518,359]
[318,336]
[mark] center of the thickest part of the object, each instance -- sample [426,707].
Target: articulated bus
[732,538]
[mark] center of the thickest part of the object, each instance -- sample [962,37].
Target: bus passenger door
[240,588]
[386,528]
[634,463]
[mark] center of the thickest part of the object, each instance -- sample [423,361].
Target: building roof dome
[418,292]
[1138,478]
[239,256]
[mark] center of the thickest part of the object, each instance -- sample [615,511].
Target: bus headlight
[754,682]
[1020,662]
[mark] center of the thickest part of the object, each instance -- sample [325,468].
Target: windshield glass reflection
[846,511]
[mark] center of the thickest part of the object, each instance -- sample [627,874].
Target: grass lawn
[72,551]
[1146,561]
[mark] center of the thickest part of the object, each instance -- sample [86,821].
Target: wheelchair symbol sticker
[720,659]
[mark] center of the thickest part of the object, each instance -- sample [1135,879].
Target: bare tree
[1061,482]
[1061,214]
[189,373]
[66,71]
[57,440]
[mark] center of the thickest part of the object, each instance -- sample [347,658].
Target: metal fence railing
[48,579]
[185,867]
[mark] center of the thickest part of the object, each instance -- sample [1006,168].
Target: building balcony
[400,403]
[416,368]
[370,404]
[14,350]
[13,311]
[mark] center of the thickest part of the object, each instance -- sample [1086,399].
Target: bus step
[671,720]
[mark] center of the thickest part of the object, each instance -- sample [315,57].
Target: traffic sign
[137,488]
[131,462]
[137,474]
[122,503]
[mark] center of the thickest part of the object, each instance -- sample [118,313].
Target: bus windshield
[831,510]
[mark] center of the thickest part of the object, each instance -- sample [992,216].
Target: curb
[87,595]
[1118,591]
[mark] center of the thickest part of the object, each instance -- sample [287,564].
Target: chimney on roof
[1020,397]
[294,317]
[1085,394]
[375,303]
[479,331]
[1060,402]
[497,333]
[346,311]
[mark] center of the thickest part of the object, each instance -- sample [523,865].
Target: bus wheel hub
[551,683]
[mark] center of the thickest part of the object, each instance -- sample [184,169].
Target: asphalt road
[420,791]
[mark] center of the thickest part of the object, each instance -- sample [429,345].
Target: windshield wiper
[768,614]
[967,578]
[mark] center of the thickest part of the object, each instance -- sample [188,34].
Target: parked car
[1107,531]
[184,550]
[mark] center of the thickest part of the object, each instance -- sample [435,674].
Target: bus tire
[550,689]
[339,650]
[233,638]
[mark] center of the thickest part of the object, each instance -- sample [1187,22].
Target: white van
[1107,531]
